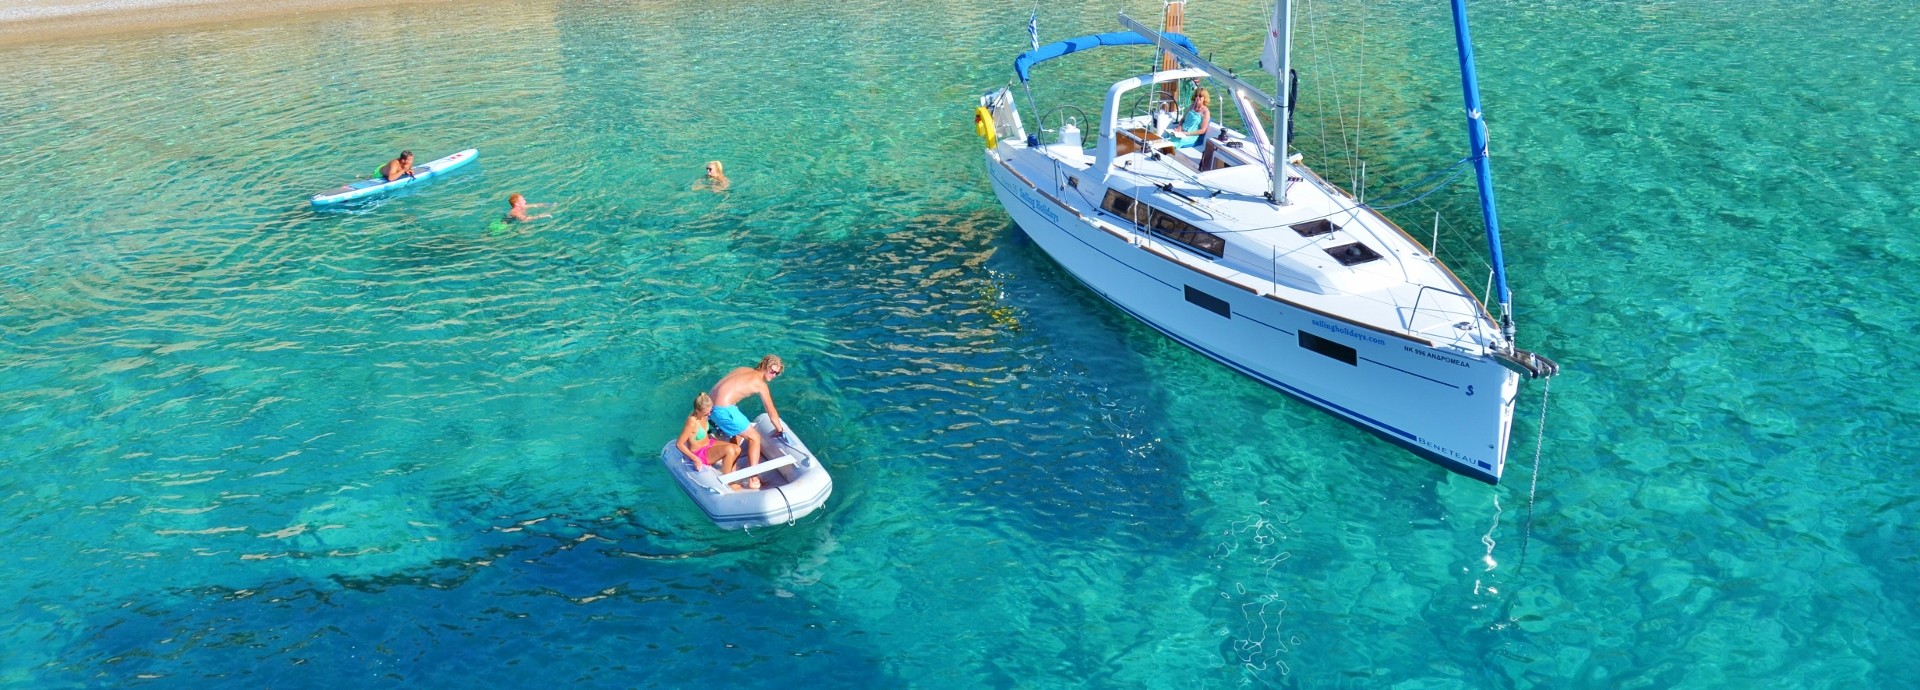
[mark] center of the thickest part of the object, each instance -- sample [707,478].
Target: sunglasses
[777,372]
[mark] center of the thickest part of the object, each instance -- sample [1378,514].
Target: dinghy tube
[793,483]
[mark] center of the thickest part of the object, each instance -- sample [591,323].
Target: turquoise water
[256,445]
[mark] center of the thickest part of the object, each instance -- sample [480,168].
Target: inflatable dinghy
[793,483]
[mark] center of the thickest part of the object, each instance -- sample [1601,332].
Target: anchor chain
[1539,441]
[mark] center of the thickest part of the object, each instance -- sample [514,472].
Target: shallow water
[264,446]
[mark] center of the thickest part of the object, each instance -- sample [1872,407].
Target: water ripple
[244,436]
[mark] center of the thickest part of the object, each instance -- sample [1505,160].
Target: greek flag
[1033,27]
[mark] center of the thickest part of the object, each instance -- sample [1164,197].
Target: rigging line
[1153,64]
[1207,213]
[1136,193]
[1439,252]
[1339,106]
[1451,168]
[1319,75]
[1417,199]
[1360,90]
[1138,228]
[1456,169]
[1532,491]
[1077,191]
[1368,296]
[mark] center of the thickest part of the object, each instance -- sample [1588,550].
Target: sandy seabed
[25,21]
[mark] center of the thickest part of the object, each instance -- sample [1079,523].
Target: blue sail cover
[1023,65]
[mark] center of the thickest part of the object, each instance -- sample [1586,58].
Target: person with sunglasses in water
[716,178]
[735,387]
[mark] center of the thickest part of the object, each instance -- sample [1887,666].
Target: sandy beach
[23,21]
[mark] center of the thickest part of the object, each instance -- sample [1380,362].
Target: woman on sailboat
[1194,126]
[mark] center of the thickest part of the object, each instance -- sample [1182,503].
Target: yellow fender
[983,125]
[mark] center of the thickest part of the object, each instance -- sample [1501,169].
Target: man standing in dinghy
[735,387]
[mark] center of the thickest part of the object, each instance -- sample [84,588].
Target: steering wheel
[1063,115]
[1150,102]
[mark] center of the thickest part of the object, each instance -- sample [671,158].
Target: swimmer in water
[517,209]
[716,178]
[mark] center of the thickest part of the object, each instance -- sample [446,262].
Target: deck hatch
[1353,254]
[1315,228]
[1209,302]
[1328,348]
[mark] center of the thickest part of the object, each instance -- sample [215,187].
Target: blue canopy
[1023,65]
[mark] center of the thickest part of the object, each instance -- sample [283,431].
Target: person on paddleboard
[735,387]
[398,167]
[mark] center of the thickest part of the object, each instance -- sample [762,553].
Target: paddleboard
[377,186]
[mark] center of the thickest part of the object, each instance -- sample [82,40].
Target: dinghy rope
[1539,441]
[789,502]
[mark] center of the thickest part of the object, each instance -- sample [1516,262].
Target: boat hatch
[1315,228]
[1353,254]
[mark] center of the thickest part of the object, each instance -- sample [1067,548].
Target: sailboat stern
[1005,116]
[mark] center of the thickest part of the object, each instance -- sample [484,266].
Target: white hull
[1445,404]
[787,493]
[1219,239]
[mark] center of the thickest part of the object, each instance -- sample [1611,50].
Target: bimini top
[1023,65]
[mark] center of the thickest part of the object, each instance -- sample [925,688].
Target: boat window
[1180,231]
[1209,302]
[1329,348]
[1353,254]
[1119,204]
[1315,228]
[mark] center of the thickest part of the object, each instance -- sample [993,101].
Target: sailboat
[1232,246]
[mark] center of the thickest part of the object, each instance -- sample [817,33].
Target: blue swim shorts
[730,420]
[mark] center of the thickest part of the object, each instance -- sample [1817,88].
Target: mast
[1482,170]
[1173,21]
[1280,34]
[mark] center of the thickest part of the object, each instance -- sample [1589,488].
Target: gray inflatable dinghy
[793,483]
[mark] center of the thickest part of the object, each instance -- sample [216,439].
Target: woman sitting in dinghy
[698,445]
